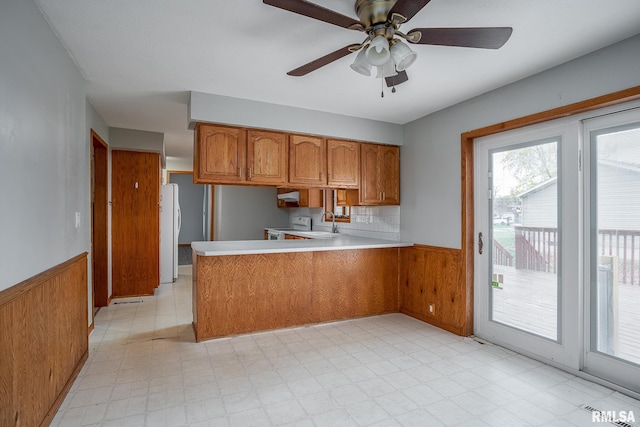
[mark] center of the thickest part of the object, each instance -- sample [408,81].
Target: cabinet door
[307,161]
[267,157]
[219,155]
[390,174]
[369,187]
[343,164]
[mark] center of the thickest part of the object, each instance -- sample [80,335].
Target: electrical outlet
[432,309]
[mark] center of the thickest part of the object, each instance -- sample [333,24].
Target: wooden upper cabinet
[307,161]
[369,189]
[390,174]
[219,154]
[267,157]
[380,175]
[343,164]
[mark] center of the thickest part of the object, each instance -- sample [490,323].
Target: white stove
[298,223]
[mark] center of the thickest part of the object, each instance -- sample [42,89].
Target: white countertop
[246,247]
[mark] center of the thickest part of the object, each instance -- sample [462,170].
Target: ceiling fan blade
[303,7]
[406,9]
[484,38]
[396,79]
[322,61]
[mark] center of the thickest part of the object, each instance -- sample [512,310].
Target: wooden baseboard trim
[58,402]
[90,328]
[434,322]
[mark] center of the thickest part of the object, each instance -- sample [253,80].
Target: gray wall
[243,112]
[242,213]
[430,156]
[44,149]
[191,198]
[131,139]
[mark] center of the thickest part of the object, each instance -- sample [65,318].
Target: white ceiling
[142,57]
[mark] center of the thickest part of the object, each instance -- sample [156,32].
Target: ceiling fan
[383,48]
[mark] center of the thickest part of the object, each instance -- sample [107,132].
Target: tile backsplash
[376,221]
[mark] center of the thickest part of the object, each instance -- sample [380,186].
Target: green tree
[532,165]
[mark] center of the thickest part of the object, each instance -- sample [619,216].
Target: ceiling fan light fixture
[402,55]
[378,52]
[361,65]
[386,70]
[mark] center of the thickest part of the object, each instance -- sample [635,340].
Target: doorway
[526,227]
[196,207]
[612,247]
[99,221]
[563,282]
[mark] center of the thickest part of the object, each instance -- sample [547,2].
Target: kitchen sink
[319,234]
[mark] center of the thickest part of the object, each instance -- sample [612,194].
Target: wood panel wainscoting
[432,288]
[236,294]
[43,342]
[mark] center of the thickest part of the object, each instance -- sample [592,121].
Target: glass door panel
[524,237]
[615,242]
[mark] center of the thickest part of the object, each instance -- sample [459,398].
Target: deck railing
[625,245]
[501,256]
[537,249]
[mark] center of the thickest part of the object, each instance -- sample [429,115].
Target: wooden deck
[528,301]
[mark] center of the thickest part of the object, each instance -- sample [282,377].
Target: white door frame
[565,351]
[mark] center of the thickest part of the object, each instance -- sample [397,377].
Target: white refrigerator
[170,220]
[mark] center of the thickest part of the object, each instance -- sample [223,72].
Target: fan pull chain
[382,87]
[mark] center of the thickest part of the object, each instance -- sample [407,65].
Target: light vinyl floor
[145,369]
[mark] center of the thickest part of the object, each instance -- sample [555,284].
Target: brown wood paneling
[135,220]
[354,283]
[43,342]
[431,275]
[245,293]
[7,366]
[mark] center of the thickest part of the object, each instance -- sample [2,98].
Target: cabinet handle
[240,172]
[250,174]
[384,195]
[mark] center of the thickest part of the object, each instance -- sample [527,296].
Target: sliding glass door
[612,202]
[521,259]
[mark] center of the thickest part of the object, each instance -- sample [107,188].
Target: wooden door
[267,157]
[219,154]
[307,161]
[99,221]
[390,174]
[343,164]
[135,223]
[369,186]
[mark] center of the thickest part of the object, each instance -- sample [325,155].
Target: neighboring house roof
[633,167]
[538,187]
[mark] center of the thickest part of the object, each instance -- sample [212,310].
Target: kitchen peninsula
[254,285]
